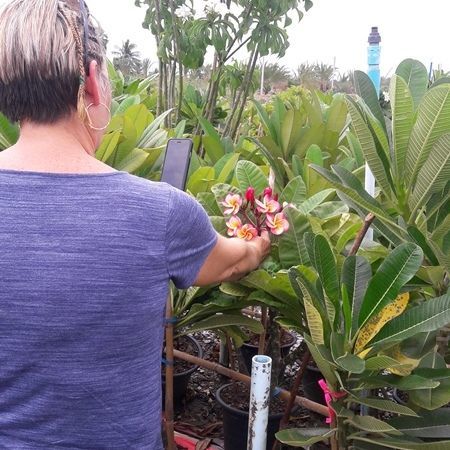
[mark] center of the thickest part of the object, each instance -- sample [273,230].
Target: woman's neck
[65,146]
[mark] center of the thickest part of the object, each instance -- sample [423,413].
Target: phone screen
[176,162]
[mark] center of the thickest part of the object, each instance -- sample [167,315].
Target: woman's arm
[231,259]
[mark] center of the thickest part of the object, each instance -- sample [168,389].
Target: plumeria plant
[251,215]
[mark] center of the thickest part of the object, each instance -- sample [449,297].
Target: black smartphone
[176,162]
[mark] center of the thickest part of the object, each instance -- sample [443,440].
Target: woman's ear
[92,87]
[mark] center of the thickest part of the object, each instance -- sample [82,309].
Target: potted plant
[199,309]
[355,322]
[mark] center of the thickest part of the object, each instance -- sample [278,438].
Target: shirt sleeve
[189,240]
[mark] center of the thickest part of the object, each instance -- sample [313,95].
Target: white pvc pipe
[369,185]
[263,70]
[259,402]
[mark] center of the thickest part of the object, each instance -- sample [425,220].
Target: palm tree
[275,75]
[127,59]
[344,83]
[146,67]
[325,73]
[305,75]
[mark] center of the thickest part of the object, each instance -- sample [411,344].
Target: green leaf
[421,241]
[314,155]
[416,76]
[248,175]
[396,270]
[264,117]
[351,363]
[356,273]
[277,285]
[431,424]
[304,437]
[428,316]
[433,120]
[325,264]
[209,203]
[108,145]
[384,405]
[402,121]
[354,191]
[219,224]
[223,320]
[372,425]
[9,132]
[313,202]
[381,362]
[213,151]
[294,192]
[434,174]
[323,365]
[225,174]
[404,383]
[201,180]
[337,345]
[146,139]
[432,398]
[133,160]
[404,444]
[140,116]
[127,103]
[375,161]
[315,324]
[308,5]
[366,90]
[336,120]
[234,289]
[292,248]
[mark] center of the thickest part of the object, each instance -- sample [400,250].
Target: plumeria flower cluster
[250,215]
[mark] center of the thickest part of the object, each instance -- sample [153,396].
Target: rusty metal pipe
[284,395]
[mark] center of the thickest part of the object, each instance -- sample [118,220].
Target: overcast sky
[331,29]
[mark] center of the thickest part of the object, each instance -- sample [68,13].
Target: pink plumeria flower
[247,232]
[268,205]
[277,223]
[233,203]
[233,225]
[288,205]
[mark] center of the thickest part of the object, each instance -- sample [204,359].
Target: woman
[87,252]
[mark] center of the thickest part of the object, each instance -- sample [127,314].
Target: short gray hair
[43,61]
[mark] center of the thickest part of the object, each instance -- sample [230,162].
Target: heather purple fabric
[84,270]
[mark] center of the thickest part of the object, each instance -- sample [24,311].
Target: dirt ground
[200,415]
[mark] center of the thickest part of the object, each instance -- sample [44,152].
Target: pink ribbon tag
[329,397]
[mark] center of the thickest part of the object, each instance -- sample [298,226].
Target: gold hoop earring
[89,117]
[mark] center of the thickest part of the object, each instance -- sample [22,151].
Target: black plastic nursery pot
[235,425]
[310,385]
[181,379]
[249,350]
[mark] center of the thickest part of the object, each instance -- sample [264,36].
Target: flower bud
[267,191]
[250,195]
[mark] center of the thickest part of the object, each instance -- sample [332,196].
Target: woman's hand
[231,259]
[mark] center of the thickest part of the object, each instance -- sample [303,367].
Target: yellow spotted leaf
[407,364]
[378,321]
[364,353]
[314,322]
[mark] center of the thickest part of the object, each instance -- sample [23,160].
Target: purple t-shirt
[84,270]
